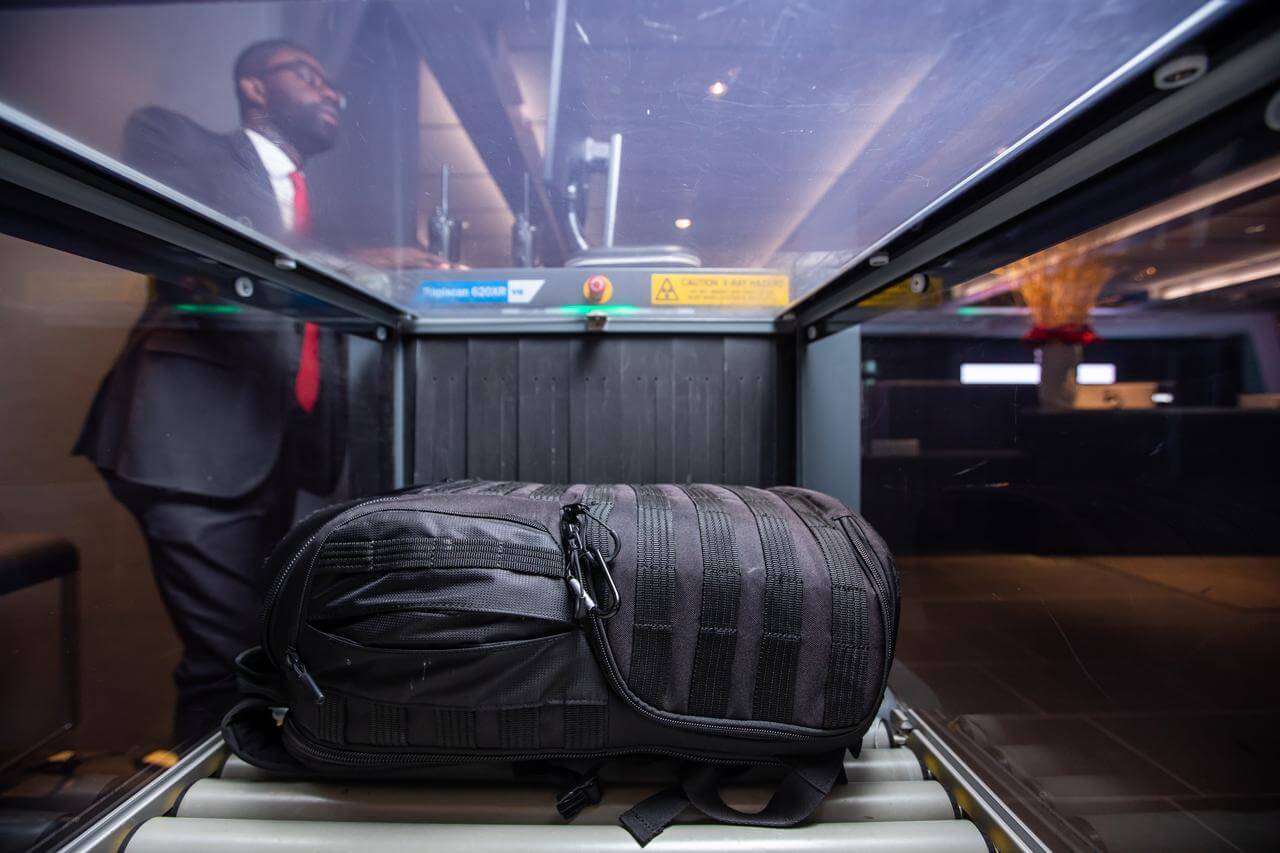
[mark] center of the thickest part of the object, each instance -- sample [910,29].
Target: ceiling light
[1217,277]
[684,223]
[1255,229]
[718,88]
[995,283]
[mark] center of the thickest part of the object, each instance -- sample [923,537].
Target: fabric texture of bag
[556,627]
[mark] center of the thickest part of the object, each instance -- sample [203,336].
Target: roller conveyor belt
[505,804]
[889,804]
[206,835]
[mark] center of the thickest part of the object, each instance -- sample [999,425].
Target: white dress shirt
[279,167]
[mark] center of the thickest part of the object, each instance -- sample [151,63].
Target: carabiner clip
[615,601]
[583,603]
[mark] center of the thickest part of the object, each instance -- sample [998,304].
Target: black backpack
[553,628]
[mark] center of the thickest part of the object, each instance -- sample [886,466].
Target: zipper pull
[299,669]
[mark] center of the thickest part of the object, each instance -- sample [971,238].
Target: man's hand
[402,257]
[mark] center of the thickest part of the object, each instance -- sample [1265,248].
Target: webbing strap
[549,492]
[808,781]
[499,488]
[586,725]
[454,727]
[655,595]
[718,619]
[599,502]
[415,552]
[779,661]
[518,728]
[452,486]
[331,722]
[846,663]
[599,499]
[388,725]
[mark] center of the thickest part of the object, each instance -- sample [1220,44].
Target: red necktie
[306,385]
[301,204]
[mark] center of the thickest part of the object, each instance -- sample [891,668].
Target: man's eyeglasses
[305,72]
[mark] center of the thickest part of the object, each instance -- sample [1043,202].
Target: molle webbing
[718,619]
[778,664]
[654,596]
[599,500]
[452,486]
[500,488]
[548,492]
[846,668]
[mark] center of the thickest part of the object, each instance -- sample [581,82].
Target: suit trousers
[207,556]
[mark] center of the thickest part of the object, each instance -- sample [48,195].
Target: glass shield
[543,160]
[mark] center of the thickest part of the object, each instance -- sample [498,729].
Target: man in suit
[210,421]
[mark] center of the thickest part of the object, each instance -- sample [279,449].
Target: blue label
[464,291]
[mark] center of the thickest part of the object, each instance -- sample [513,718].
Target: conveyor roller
[873,765]
[216,835]
[888,804]
[489,804]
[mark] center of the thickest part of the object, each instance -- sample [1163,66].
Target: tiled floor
[1142,710]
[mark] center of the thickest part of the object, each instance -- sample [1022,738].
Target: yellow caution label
[719,289]
[916,293]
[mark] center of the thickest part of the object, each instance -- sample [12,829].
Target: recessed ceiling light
[684,222]
[718,88]
[1255,229]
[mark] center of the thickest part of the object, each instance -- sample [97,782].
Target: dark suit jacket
[204,403]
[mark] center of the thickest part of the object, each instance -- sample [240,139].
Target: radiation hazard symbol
[739,290]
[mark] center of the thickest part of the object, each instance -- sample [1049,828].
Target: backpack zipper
[579,554]
[299,669]
[278,582]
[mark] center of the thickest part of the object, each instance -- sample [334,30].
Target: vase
[1058,362]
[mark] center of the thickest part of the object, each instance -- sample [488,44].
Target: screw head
[381,333]
[244,287]
[1181,71]
[1271,115]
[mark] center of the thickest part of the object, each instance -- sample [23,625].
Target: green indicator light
[968,311]
[603,309]
[197,308]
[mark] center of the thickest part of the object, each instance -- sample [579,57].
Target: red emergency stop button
[597,289]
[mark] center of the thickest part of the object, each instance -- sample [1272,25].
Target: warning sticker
[916,293]
[719,289]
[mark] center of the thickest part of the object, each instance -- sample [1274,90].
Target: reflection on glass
[1073,455]
[161,434]
[489,160]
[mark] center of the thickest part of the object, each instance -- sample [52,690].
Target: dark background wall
[632,408]
[1199,371]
